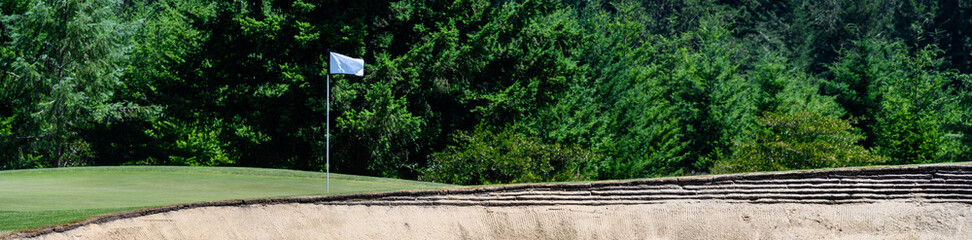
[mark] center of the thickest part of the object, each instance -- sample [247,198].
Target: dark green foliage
[637,88]
[855,83]
[65,64]
[655,105]
[899,96]
[799,140]
[908,126]
[492,64]
[622,112]
[958,122]
[485,157]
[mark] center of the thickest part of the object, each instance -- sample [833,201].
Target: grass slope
[41,197]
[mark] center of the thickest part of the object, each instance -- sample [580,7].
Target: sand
[676,220]
[915,202]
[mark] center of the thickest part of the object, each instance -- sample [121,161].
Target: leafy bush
[200,146]
[484,157]
[798,140]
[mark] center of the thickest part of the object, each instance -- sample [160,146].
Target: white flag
[341,64]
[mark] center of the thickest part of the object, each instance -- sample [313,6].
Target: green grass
[41,197]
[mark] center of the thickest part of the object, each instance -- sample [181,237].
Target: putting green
[35,198]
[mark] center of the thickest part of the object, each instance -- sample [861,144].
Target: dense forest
[479,92]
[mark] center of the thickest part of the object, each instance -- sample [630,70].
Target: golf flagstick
[338,64]
[327,164]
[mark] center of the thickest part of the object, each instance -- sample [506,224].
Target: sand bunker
[917,202]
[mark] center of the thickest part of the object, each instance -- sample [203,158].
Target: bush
[483,157]
[799,140]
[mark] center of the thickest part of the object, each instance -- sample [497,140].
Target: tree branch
[33,137]
[14,136]
[12,74]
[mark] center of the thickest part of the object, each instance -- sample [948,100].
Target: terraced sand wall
[913,202]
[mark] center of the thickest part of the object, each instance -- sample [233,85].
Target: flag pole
[343,65]
[328,163]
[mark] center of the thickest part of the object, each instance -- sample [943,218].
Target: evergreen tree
[913,108]
[65,66]
[958,122]
[897,96]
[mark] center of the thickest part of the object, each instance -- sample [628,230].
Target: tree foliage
[548,89]
[799,140]
[485,157]
[901,96]
[66,63]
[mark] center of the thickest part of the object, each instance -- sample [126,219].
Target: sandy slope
[918,202]
[676,220]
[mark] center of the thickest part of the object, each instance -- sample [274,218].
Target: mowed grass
[36,198]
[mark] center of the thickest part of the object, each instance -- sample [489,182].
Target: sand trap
[919,202]
[682,220]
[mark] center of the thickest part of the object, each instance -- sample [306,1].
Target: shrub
[482,157]
[798,140]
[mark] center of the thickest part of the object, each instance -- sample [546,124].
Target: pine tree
[65,64]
